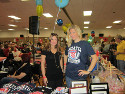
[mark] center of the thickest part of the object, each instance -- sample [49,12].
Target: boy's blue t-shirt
[78,54]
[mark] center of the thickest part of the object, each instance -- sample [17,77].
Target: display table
[3,74]
[114,77]
[105,56]
[2,58]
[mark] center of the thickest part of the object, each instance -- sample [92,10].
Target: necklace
[56,62]
[53,51]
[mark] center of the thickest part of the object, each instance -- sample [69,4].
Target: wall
[43,33]
[107,32]
[46,33]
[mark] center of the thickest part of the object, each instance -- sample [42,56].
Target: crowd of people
[76,61]
[13,52]
[115,49]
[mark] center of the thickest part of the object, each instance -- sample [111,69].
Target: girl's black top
[53,69]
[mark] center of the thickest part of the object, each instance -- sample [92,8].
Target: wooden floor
[40,83]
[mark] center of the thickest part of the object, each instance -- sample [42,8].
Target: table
[105,56]
[3,74]
[113,72]
[2,58]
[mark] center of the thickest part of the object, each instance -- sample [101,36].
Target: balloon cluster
[91,36]
[39,8]
[93,33]
[61,4]
[65,28]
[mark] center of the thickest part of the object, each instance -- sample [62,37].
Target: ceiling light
[123,28]
[11,16]
[26,28]
[10,29]
[108,26]
[14,17]
[12,25]
[117,21]
[86,22]
[17,18]
[45,28]
[47,15]
[24,0]
[87,13]
[86,27]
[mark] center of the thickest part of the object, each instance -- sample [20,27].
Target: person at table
[76,56]
[23,74]
[1,55]
[112,48]
[120,53]
[52,75]
[1,51]
[17,56]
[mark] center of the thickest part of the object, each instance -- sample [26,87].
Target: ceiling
[104,13]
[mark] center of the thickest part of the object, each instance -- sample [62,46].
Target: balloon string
[38,27]
[56,19]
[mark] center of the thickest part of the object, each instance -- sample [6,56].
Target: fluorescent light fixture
[26,28]
[11,16]
[24,0]
[123,28]
[86,22]
[86,27]
[109,27]
[10,29]
[87,13]
[12,25]
[45,28]
[17,18]
[47,15]
[117,21]
[14,17]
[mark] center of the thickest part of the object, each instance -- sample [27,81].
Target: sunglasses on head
[54,34]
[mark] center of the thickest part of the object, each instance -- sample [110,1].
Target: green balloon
[65,33]
[82,31]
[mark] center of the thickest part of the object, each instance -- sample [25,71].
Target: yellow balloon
[39,10]
[64,28]
[68,25]
[88,34]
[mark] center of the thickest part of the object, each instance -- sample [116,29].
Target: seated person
[22,74]
[16,54]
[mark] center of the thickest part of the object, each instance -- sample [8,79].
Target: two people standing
[75,59]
